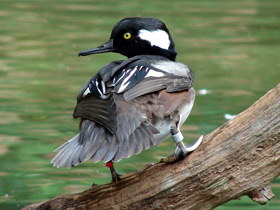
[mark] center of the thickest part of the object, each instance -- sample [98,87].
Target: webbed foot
[181,150]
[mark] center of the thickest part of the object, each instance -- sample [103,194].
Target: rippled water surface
[232,46]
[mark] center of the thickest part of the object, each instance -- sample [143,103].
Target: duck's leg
[115,176]
[181,150]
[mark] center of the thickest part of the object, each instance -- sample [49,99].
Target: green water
[232,46]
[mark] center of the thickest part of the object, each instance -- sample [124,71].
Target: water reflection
[230,45]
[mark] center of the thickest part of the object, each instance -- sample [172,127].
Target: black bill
[106,47]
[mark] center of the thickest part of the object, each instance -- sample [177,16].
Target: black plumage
[130,105]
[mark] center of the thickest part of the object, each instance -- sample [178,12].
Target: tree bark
[242,157]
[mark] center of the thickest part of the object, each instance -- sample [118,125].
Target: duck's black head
[138,36]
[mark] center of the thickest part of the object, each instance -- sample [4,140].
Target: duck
[132,105]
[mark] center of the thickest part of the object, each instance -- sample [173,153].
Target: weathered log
[242,157]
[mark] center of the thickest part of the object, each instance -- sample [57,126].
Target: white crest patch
[157,38]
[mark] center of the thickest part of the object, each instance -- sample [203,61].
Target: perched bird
[131,105]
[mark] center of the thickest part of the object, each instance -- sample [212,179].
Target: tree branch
[242,157]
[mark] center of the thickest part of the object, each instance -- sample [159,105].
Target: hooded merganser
[134,104]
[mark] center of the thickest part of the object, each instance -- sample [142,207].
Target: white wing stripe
[123,87]
[153,73]
[87,91]
[123,74]
[103,86]
[126,81]
[96,84]
[130,75]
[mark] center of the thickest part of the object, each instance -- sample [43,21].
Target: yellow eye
[127,35]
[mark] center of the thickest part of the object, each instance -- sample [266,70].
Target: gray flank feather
[69,162]
[60,159]
[146,139]
[121,153]
[88,150]
[95,142]
[152,128]
[139,144]
[113,149]
[101,152]
[132,144]
[76,158]
[144,87]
